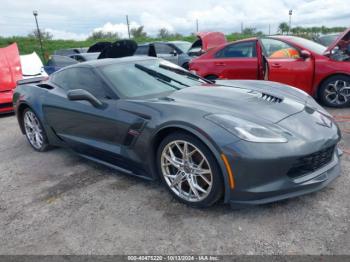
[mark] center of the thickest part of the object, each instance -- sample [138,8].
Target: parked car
[83,57]
[174,51]
[10,72]
[70,51]
[181,52]
[322,72]
[248,142]
[57,62]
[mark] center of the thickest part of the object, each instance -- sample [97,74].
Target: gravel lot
[59,203]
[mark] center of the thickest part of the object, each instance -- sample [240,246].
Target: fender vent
[271,98]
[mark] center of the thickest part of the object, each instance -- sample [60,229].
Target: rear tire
[335,91]
[34,131]
[195,180]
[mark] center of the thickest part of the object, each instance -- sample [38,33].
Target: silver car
[172,51]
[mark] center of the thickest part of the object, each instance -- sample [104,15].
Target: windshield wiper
[158,75]
[186,73]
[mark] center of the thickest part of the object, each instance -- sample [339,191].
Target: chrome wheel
[337,92]
[33,130]
[186,171]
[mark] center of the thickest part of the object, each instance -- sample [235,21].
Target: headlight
[247,130]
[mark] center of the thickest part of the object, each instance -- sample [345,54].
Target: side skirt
[117,168]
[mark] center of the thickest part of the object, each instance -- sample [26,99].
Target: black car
[248,142]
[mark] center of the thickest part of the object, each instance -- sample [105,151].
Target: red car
[10,73]
[322,72]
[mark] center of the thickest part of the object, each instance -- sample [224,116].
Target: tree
[97,35]
[283,27]
[164,33]
[44,34]
[138,32]
[249,31]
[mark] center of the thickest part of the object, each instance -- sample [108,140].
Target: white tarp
[32,66]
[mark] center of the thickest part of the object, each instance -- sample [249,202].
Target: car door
[102,132]
[236,61]
[167,52]
[286,64]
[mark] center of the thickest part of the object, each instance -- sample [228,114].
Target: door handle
[220,64]
[276,65]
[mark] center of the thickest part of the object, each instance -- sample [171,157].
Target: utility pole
[290,20]
[35,13]
[241,27]
[127,23]
[269,29]
[197,25]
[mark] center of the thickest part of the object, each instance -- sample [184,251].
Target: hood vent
[271,98]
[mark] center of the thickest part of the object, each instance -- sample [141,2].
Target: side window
[277,49]
[142,50]
[163,49]
[80,78]
[239,50]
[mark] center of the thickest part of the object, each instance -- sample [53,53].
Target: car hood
[32,65]
[210,40]
[251,100]
[10,67]
[336,41]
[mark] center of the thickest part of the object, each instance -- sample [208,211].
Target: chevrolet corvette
[241,142]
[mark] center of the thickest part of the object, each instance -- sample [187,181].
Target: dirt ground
[59,203]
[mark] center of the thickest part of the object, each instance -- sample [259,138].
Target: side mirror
[305,54]
[83,95]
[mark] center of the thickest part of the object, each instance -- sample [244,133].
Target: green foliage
[138,33]
[283,28]
[165,34]
[44,34]
[97,35]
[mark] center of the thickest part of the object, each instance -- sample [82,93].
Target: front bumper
[262,178]
[6,105]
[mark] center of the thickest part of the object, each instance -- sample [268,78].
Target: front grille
[312,162]
[271,98]
[5,105]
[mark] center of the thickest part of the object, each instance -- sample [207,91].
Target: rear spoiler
[32,80]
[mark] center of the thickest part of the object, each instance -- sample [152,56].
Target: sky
[77,19]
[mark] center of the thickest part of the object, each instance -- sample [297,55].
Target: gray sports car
[243,142]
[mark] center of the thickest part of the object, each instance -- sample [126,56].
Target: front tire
[335,91]
[189,170]
[34,131]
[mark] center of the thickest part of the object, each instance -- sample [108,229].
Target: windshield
[148,78]
[311,45]
[326,40]
[184,46]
